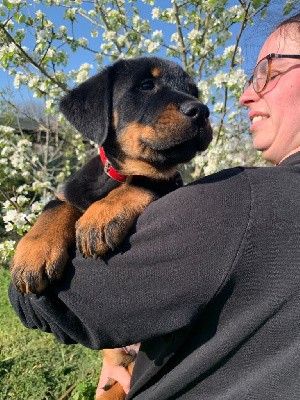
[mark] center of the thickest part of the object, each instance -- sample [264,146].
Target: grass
[34,366]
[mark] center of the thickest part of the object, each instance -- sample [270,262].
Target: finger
[121,375]
[118,373]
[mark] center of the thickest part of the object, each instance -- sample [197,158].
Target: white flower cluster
[109,35]
[7,52]
[204,90]
[166,14]
[71,13]
[7,248]
[6,129]
[155,13]
[16,2]
[14,219]
[228,51]
[194,34]
[15,160]
[152,45]
[157,35]
[150,2]
[175,37]
[218,107]
[236,10]
[54,2]
[83,72]
[220,79]
[62,31]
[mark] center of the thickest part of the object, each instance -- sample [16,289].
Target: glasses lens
[260,75]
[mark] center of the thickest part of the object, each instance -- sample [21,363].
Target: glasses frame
[269,58]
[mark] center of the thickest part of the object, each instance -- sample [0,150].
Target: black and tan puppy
[145,115]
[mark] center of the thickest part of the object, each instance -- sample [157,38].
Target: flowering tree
[36,51]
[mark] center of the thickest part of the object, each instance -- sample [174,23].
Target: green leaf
[288,8]
[20,18]
[257,3]
[263,13]
[29,21]
[8,5]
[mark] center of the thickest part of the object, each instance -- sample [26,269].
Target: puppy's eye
[147,85]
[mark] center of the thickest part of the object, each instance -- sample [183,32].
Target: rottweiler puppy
[145,116]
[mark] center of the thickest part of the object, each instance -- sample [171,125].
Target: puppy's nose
[194,110]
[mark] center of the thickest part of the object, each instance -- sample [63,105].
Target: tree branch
[179,31]
[232,64]
[30,60]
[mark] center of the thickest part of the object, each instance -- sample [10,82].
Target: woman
[209,282]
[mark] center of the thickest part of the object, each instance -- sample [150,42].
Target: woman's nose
[248,96]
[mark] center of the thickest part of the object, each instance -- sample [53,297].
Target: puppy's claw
[37,262]
[31,281]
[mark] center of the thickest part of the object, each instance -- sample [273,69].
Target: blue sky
[251,43]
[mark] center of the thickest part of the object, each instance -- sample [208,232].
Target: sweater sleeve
[178,256]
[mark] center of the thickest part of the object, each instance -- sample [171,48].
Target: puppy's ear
[88,106]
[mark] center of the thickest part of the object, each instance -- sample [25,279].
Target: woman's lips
[256,118]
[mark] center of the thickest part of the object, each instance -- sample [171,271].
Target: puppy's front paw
[106,222]
[97,232]
[37,262]
[42,253]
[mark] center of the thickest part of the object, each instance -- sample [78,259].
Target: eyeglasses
[262,73]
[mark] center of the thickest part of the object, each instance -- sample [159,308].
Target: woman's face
[275,112]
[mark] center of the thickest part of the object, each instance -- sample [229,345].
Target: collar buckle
[106,167]
[109,169]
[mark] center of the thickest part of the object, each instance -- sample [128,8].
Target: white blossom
[220,78]
[109,35]
[175,37]
[6,129]
[218,107]
[205,90]
[39,14]
[155,13]
[157,34]
[62,30]
[83,41]
[194,34]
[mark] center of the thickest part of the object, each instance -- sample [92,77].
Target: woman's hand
[116,372]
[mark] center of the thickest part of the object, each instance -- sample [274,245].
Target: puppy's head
[145,112]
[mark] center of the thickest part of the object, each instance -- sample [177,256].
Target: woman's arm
[162,277]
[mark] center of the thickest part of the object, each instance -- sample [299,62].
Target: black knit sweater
[208,281]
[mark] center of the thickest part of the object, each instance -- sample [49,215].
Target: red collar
[109,169]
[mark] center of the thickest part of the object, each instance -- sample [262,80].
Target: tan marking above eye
[156,72]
